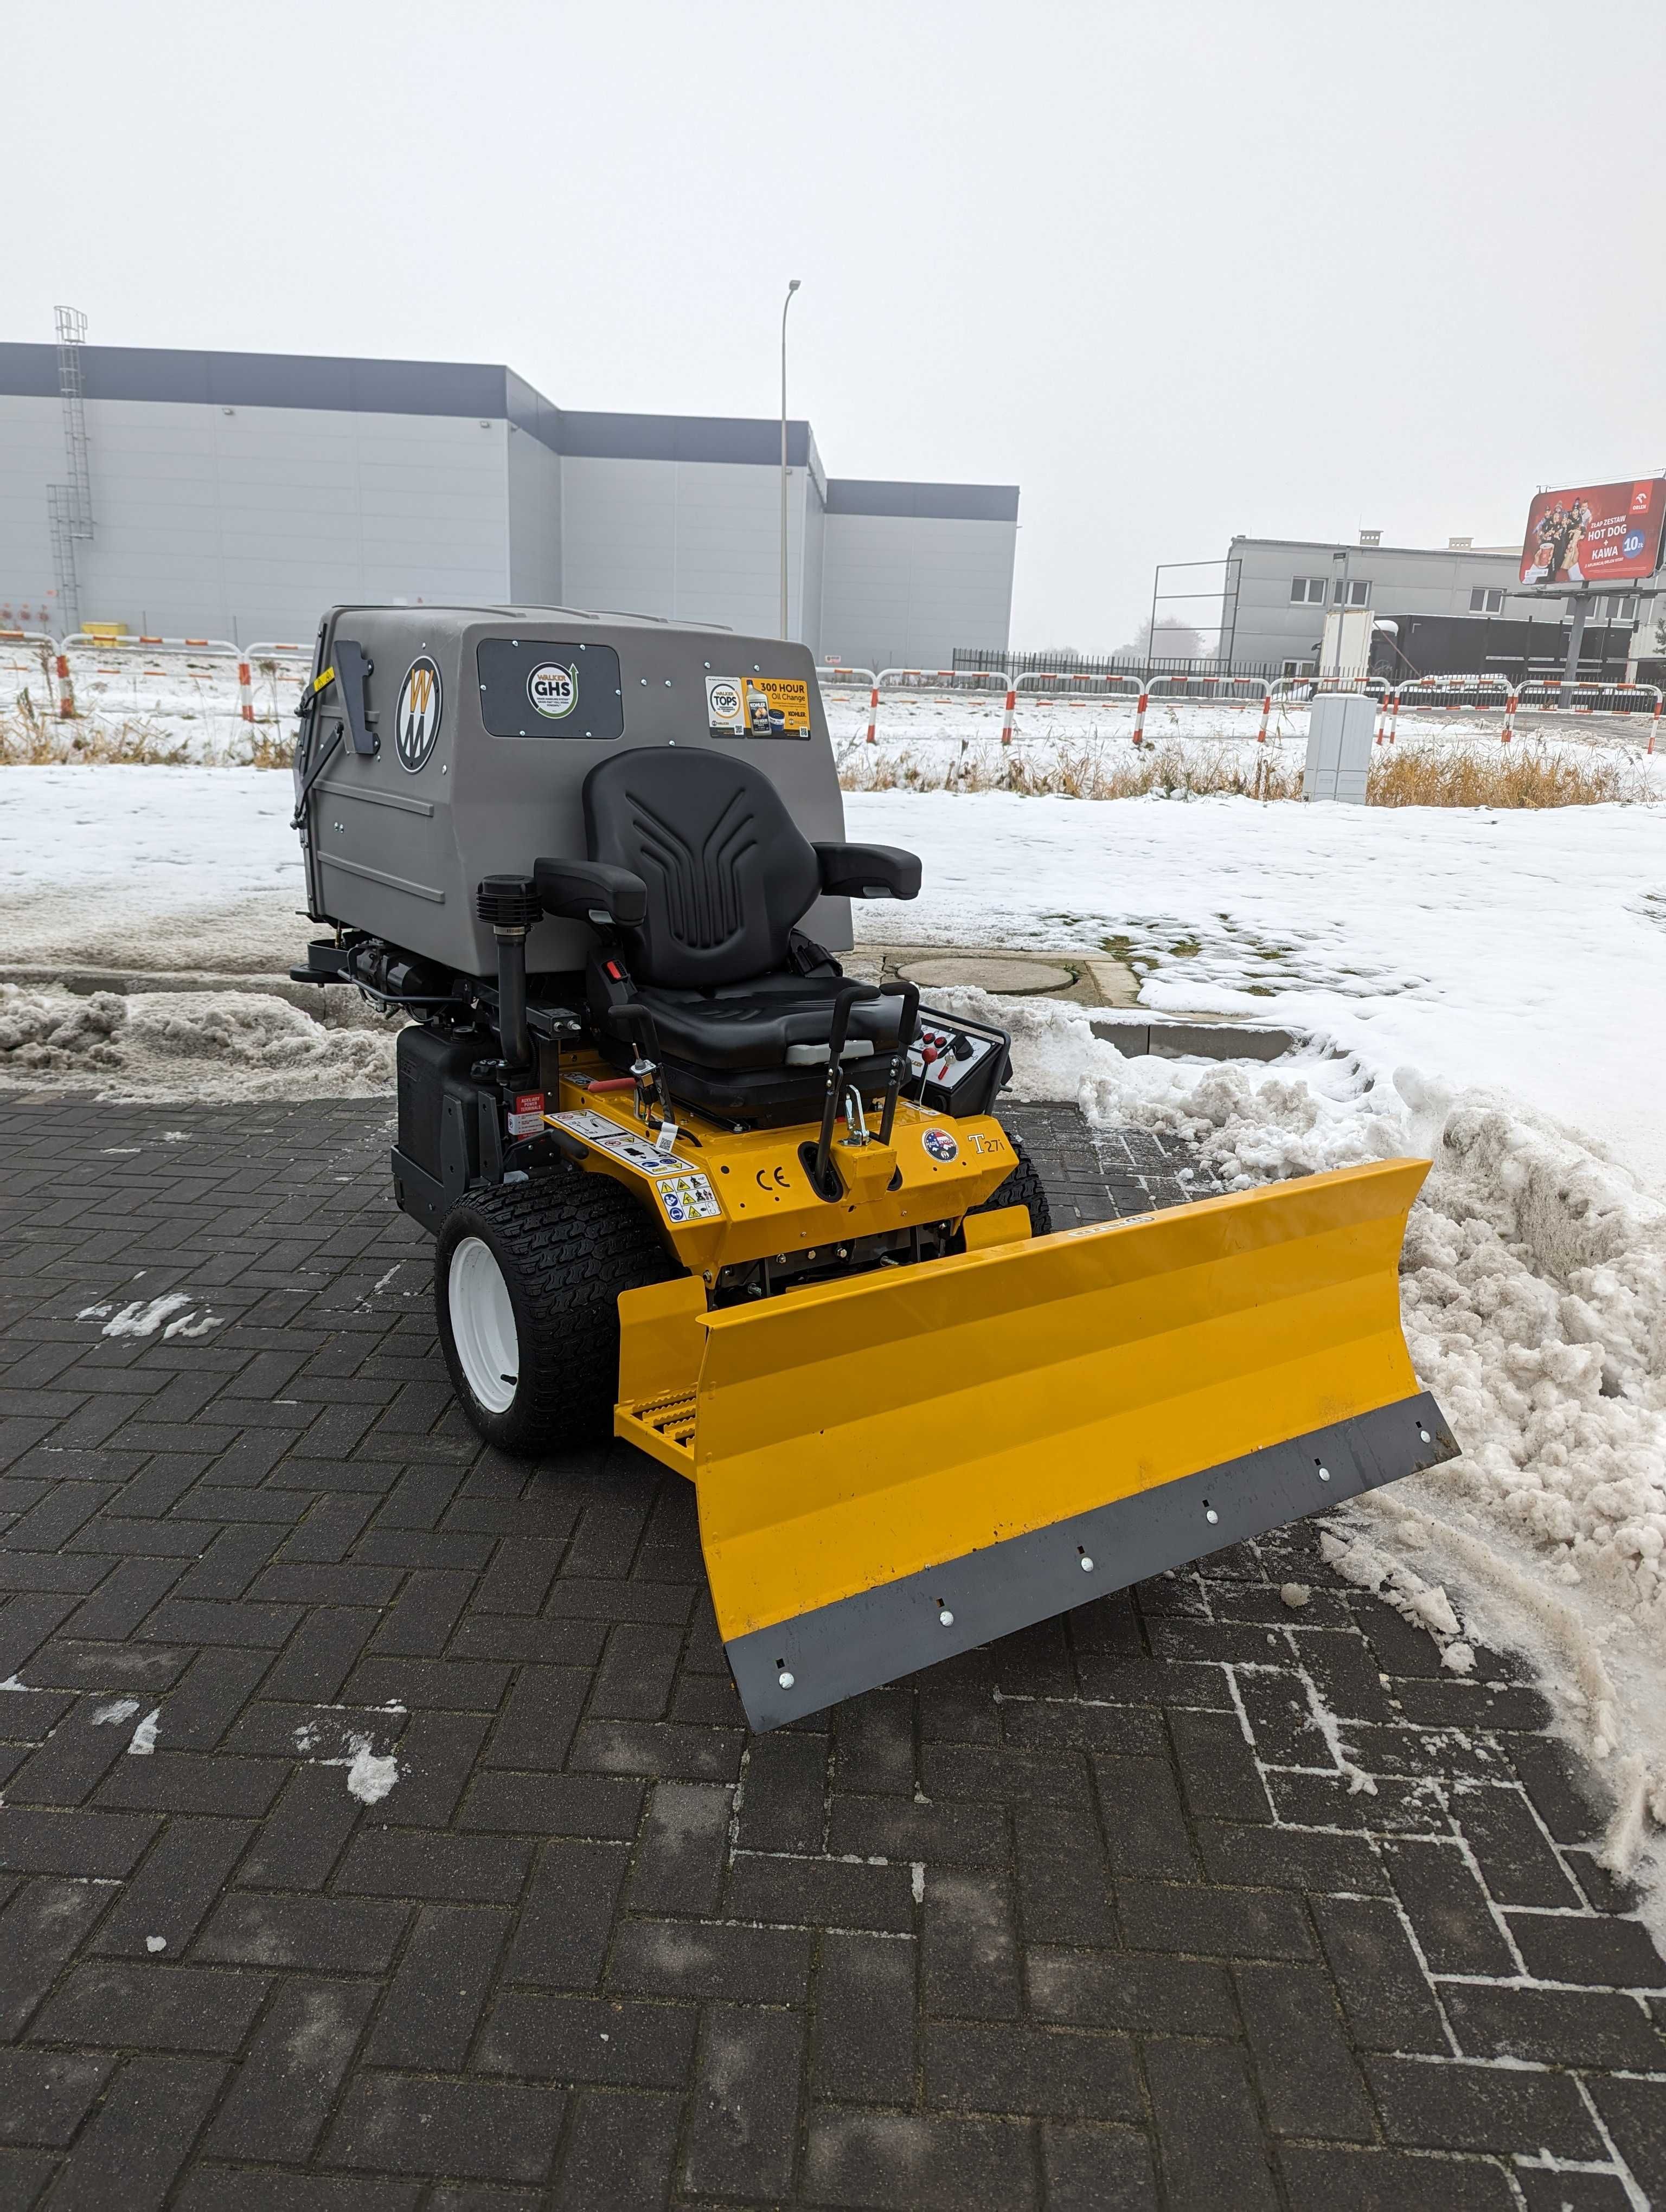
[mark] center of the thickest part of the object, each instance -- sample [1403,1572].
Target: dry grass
[1071,772]
[1408,775]
[30,739]
[1504,776]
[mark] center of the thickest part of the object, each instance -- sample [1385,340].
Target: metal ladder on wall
[70,506]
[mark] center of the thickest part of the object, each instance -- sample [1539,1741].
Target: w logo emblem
[416,716]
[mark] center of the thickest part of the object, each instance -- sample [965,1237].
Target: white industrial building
[1284,586]
[236,495]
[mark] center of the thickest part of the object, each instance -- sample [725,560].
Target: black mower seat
[781,1021]
[701,875]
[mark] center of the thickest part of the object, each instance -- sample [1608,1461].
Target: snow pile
[1533,1296]
[203,1045]
[1425,1605]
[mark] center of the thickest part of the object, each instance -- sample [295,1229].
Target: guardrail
[851,676]
[1623,693]
[272,650]
[1473,690]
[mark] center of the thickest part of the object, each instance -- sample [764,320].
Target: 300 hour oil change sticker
[757,706]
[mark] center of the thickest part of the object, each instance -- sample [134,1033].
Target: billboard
[1595,534]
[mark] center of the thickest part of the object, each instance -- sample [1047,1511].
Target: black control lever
[906,1022]
[820,1163]
[653,1088]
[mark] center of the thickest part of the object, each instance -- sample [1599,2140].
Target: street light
[785,304]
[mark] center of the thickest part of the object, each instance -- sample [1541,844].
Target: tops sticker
[417,715]
[553,691]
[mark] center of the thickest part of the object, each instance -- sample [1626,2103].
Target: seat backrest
[728,870]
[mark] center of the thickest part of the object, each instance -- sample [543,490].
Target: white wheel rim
[482,1325]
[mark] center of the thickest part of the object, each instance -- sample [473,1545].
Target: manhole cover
[1012,978]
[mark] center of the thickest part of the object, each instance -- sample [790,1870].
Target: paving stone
[161,2007]
[864,2008]
[1039,2071]
[621,2146]
[46,2094]
[277,2105]
[1097,2169]
[427,2124]
[1044,1923]
[1210,2148]
[140,2137]
[742,2124]
[1487,2108]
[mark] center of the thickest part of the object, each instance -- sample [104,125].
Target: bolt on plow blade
[901,1466]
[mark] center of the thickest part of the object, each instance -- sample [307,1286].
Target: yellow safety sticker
[687,1198]
[328,677]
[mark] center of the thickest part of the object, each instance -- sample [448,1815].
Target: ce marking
[780,1176]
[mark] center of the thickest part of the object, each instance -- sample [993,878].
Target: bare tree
[1173,640]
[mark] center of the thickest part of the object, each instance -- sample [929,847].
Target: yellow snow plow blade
[903,1465]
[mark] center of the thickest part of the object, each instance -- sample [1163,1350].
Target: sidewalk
[1190,1899]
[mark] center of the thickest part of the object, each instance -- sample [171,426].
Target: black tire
[1024,1187]
[565,1246]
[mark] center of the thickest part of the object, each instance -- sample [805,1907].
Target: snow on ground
[1523,950]
[150,868]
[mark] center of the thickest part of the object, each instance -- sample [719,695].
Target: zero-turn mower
[694,1186]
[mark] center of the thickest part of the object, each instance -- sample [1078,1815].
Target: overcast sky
[1176,270]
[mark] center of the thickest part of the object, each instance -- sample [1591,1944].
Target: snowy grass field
[1484,986]
[1082,748]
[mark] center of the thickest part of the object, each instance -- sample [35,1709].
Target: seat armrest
[868,871]
[590,890]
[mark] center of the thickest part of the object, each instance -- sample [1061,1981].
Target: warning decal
[688,1198]
[620,1144]
[757,706]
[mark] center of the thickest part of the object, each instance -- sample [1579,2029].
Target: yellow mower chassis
[903,1463]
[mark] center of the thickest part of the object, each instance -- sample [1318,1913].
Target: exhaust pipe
[512,906]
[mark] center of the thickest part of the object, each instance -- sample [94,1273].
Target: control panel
[949,1063]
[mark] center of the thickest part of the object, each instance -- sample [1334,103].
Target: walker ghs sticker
[757,706]
[621,1144]
[688,1198]
[416,713]
[553,691]
[941,1144]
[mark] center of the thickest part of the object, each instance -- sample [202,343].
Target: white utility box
[1340,730]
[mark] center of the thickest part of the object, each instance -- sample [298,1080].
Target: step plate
[836,1651]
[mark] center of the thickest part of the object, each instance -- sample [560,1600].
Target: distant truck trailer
[1406,645]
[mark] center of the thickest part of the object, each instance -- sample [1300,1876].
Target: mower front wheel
[526,1282]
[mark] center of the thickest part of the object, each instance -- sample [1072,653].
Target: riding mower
[693,1186]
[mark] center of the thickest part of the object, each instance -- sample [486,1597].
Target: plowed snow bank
[208,1045]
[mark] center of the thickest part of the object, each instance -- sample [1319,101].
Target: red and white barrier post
[245,692]
[66,696]
[1510,707]
[1266,714]
[1654,722]
[1139,711]
[1012,705]
[873,708]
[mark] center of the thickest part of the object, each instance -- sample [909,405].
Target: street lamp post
[785,304]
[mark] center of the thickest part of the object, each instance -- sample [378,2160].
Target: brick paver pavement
[1094,1917]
